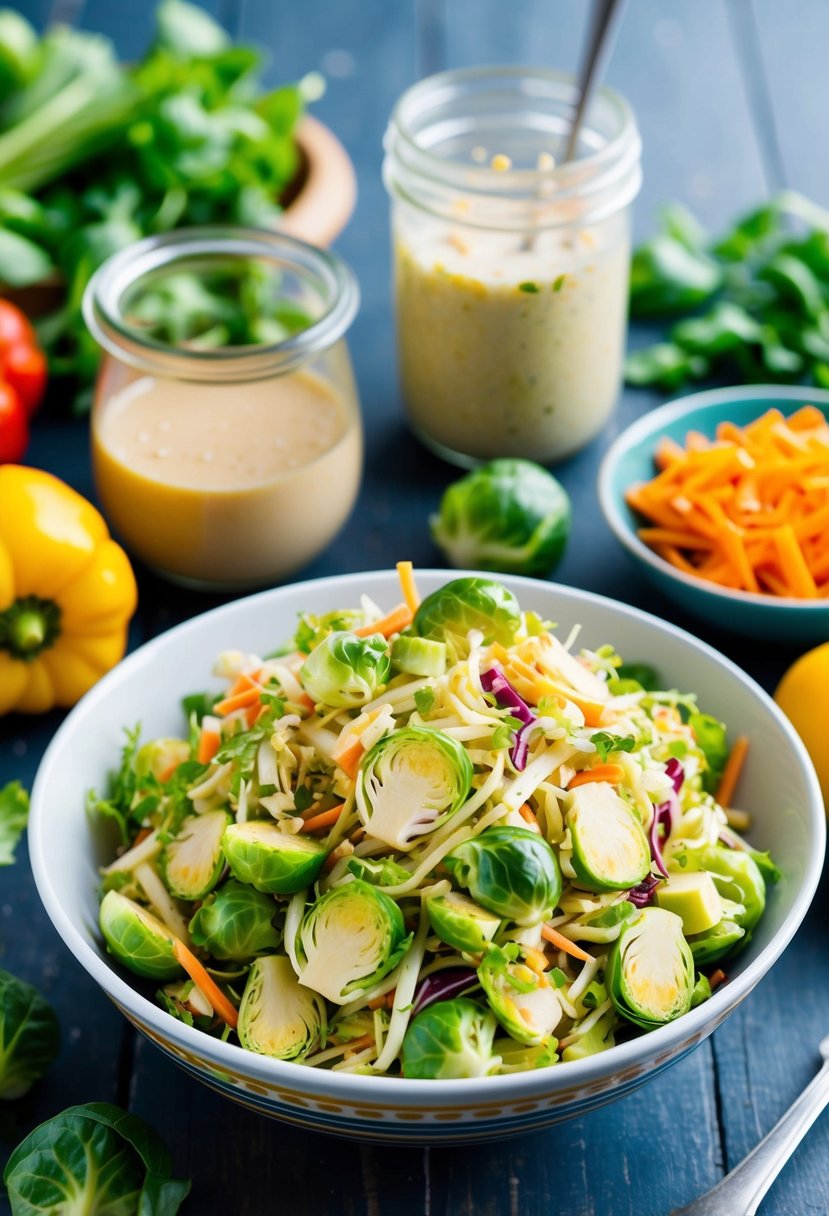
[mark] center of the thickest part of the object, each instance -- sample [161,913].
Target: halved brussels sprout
[346,670]
[410,782]
[448,614]
[137,938]
[526,1008]
[598,1038]
[236,923]
[449,1040]
[418,656]
[161,758]
[349,939]
[650,970]
[737,877]
[610,848]
[713,945]
[192,862]
[461,923]
[508,515]
[271,860]
[279,1017]
[510,871]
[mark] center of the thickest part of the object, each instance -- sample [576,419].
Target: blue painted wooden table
[732,98]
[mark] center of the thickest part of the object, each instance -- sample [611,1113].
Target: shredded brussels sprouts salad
[438,842]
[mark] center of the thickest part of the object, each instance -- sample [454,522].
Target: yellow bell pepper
[67,592]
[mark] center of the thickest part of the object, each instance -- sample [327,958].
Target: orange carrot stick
[614,774]
[563,943]
[349,757]
[239,700]
[399,618]
[209,743]
[526,814]
[325,819]
[731,772]
[207,986]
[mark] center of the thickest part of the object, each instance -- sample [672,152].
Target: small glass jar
[226,433]
[511,270]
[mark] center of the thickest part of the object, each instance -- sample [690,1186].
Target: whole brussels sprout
[345,670]
[278,1016]
[448,614]
[29,1036]
[411,781]
[137,938]
[650,970]
[511,871]
[449,1040]
[236,923]
[349,939]
[261,854]
[508,515]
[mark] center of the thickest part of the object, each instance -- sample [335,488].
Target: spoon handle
[598,48]
[741,1191]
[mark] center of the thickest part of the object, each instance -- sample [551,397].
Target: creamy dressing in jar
[511,272]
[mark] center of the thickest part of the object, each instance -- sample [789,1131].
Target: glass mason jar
[226,432]
[511,269]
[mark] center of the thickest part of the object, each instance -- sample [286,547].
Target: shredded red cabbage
[442,986]
[662,825]
[676,773]
[642,895]
[495,682]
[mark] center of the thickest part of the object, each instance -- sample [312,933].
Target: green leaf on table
[718,331]
[665,364]
[667,277]
[14,815]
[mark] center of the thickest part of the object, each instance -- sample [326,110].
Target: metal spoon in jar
[600,41]
[741,1191]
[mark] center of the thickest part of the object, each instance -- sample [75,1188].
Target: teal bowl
[630,460]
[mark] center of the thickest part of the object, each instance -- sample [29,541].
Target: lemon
[803,695]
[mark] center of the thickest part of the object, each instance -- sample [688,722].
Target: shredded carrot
[614,774]
[405,572]
[365,1040]
[349,757]
[239,700]
[386,1001]
[325,819]
[563,943]
[207,986]
[142,836]
[209,743]
[527,815]
[716,978]
[748,510]
[731,772]
[396,620]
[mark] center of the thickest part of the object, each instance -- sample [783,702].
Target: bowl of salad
[426,859]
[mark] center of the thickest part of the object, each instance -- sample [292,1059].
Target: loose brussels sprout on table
[508,515]
[29,1036]
[93,1158]
[379,850]
[410,782]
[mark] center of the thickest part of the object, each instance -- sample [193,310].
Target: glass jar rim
[119,274]
[612,167]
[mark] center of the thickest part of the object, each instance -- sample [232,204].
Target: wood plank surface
[702,101]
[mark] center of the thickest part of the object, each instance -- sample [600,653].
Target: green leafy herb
[759,296]
[29,1036]
[530,288]
[424,699]
[14,814]
[710,735]
[303,797]
[606,743]
[559,282]
[557,977]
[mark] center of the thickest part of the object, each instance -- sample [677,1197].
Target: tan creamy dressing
[509,347]
[226,484]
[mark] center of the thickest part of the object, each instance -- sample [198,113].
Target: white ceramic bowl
[779,786]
